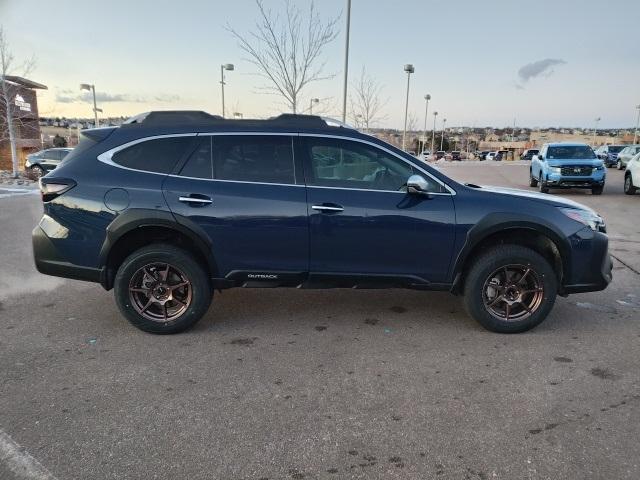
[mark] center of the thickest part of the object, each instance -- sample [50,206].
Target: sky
[484,63]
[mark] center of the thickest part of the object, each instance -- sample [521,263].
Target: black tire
[596,190]
[481,274]
[38,171]
[532,181]
[543,186]
[629,188]
[186,269]
[619,164]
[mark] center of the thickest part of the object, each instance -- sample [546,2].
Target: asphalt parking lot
[293,384]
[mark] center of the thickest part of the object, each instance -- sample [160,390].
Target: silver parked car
[627,154]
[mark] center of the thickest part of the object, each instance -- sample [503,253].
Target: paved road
[322,384]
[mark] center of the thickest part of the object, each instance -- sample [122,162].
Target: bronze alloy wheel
[160,292]
[513,292]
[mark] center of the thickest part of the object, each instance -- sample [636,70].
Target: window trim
[106,158]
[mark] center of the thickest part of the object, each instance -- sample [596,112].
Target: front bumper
[50,262]
[555,180]
[591,266]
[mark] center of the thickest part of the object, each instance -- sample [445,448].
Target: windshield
[615,148]
[571,152]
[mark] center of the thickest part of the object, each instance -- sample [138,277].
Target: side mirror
[417,185]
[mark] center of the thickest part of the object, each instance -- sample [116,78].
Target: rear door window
[200,163]
[254,158]
[159,155]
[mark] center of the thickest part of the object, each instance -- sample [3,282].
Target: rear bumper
[592,268]
[49,261]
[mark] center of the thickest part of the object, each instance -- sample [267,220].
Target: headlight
[557,170]
[592,220]
[599,168]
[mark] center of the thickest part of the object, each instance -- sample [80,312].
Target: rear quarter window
[159,155]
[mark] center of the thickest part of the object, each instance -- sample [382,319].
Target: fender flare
[500,222]
[135,218]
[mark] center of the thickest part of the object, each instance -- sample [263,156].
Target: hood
[592,162]
[540,197]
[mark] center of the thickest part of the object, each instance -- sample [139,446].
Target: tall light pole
[433,133]
[427,97]
[229,67]
[346,63]
[409,69]
[92,88]
[444,127]
[635,133]
[595,129]
[313,100]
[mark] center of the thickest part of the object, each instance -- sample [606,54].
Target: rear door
[364,227]
[245,193]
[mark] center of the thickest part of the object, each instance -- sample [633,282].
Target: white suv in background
[632,175]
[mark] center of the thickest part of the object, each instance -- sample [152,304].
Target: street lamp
[635,133]
[409,69]
[313,100]
[229,67]
[444,127]
[595,129]
[92,88]
[427,97]
[346,63]
[433,133]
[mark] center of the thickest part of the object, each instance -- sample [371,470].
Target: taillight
[51,188]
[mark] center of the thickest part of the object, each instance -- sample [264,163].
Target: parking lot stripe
[19,462]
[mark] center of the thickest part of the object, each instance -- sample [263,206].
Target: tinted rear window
[571,152]
[158,155]
[615,148]
[200,164]
[254,158]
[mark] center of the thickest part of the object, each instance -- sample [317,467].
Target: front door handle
[328,207]
[196,200]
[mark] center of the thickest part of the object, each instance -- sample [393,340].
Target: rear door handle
[196,200]
[328,207]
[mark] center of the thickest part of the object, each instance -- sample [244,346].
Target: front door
[243,192]
[364,225]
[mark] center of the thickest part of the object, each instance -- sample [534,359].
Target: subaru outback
[173,206]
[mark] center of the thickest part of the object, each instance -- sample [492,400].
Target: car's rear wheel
[629,188]
[596,190]
[532,181]
[37,171]
[510,289]
[162,289]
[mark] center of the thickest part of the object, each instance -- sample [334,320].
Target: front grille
[576,171]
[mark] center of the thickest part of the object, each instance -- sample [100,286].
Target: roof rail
[170,117]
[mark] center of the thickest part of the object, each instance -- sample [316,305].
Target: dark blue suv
[172,206]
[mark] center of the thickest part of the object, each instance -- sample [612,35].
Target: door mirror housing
[417,185]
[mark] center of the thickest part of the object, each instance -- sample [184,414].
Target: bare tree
[288,51]
[365,101]
[11,119]
[412,122]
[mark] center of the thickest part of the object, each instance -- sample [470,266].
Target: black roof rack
[188,117]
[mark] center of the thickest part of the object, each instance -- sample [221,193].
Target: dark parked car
[440,154]
[456,156]
[45,160]
[529,153]
[609,154]
[172,206]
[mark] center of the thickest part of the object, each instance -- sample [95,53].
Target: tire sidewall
[489,263]
[201,290]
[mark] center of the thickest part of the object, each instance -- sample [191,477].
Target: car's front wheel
[629,188]
[543,186]
[597,190]
[162,289]
[510,289]
[619,164]
[532,181]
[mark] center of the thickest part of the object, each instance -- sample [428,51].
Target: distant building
[24,107]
